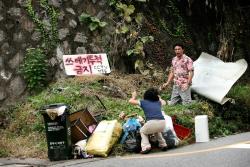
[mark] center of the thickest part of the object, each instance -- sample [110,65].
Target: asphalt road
[230,151]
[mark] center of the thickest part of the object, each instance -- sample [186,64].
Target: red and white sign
[86,64]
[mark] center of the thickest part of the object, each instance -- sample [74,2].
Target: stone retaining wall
[18,32]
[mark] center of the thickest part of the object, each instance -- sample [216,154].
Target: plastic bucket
[201,128]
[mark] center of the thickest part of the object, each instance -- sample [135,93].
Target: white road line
[243,145]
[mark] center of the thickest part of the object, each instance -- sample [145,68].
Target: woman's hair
[151,94]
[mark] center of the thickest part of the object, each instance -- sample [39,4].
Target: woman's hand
[133,99]
[134,94]
[163,102]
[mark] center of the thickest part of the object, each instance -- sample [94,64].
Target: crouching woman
[155,123]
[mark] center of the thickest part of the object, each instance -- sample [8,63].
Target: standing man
[181,73]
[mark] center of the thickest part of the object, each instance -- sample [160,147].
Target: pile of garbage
[80,135]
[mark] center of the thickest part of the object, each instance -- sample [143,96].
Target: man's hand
[163,86]
[185,87]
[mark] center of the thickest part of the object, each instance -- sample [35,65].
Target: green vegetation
[138,48]
[175,25]
[34,69]
[241,93]
[93,22]
[49,31]
[128,39]
[179,30]
[25,128]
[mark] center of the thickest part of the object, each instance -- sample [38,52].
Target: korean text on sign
[84,64]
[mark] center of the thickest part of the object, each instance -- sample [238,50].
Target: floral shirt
[181,68]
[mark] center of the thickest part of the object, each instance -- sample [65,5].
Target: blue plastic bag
[132,124]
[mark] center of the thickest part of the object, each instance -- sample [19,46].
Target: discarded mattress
[213,78]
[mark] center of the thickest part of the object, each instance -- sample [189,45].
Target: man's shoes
[147,150]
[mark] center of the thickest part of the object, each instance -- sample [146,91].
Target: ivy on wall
[93,22]
[48,31]
[34,67]
[180,29]
[175,26]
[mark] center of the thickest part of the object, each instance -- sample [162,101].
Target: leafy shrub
[3,153]
[240,93]
[34,69]
[219,127]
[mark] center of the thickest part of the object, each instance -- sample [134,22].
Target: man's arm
[190,76]
[170,78]
[190,68]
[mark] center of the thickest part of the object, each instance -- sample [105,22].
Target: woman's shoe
[147,150]
[164,148]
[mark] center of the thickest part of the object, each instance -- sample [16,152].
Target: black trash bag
[171,139]
[132,142]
